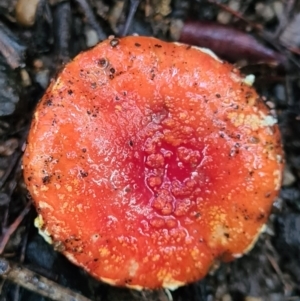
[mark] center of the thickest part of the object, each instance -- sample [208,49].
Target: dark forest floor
[35,46]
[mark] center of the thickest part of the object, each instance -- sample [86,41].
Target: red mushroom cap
[147,161]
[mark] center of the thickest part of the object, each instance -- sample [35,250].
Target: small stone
[42,78]
[277,205]
[288,177]
[26,81]
[38,64]
[265,11]
[226,297]
[225,17]
[4,267]
[176,26]
[26,11]
[91,37]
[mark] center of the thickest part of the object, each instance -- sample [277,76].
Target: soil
[34,49]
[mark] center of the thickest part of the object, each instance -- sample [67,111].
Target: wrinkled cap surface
[148,161]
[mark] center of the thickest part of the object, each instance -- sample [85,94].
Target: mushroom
[149,161]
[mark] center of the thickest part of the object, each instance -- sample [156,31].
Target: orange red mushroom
[148,161]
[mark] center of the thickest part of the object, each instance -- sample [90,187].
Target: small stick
[16,293]
[275,266]
[22,258]
[16,157]
[11,48]
[132,10]
[289,91]
[236,14]
[268,37]
[12,228]
[62,30]
[13,161]
[36,283]
[283,19]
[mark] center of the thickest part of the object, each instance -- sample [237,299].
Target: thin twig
[236,14]
[16,293]
[132,10]
[37,283]
[267,36]
[284,17]
[11,48]
[13,161]
[16,157]
[22,258]
[289,95]
[275,266]
[12,228]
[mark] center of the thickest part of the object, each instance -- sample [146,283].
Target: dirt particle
[261,216]
[48,102]
[84,174]
[103,63]
[46,179]
[114,42]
